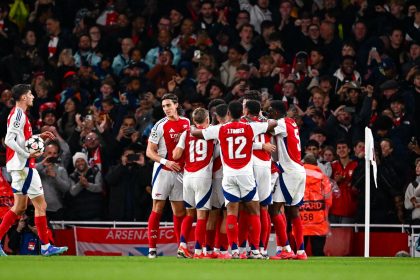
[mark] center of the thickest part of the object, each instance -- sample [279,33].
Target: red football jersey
[263,138]
[288,146]
[166,134]
[198,154]
[235,140]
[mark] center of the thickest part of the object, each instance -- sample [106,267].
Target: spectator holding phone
[127,133]
[129,187]
[55,181]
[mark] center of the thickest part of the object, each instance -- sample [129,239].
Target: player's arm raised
[179,149]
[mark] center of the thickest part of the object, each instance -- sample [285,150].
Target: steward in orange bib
[317,201]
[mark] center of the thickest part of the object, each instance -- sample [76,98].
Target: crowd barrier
[130,239]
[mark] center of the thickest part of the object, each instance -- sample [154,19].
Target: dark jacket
[128,199]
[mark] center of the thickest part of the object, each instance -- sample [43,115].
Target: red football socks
[210,239]
[280,228]
[185,228]
[232,231]
[265,228]
[42,228]
[254,231]
[177,226]
[8,220]
[200,233]
[153,228]
[298,233]
[223,242]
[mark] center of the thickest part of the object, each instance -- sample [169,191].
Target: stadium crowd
[99,68]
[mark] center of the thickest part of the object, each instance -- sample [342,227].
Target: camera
[349,109]
[130,131]
[133,157]
[53,160]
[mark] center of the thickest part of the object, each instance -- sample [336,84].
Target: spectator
[55,41]
[86,201]
[344,202]
[55,181]
[23,237]
[312,147]
[9,32]
[129,187]
[228,68]
[163,70]
[123,58]
[412,196]
[331,44]
[257,13]
[67,123]
[315,209]
[97,43]
[85,55]
[164,42]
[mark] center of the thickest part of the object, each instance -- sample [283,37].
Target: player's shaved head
[235,109]
[253,107]
[200,115]
[19,90]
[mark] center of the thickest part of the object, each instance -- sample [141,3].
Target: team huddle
[234,176]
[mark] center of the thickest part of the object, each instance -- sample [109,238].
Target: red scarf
[52,46]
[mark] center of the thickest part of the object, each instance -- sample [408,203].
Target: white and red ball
[35,144]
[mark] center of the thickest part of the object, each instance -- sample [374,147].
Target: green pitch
[103,268]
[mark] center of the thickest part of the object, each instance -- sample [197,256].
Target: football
[35,144]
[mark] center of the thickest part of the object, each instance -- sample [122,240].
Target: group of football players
[232,171]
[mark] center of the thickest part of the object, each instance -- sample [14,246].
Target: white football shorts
[27,182]
[166,184]
[239,188]
[262,176]
[197,193]
[290,189]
